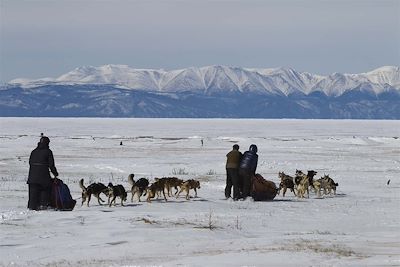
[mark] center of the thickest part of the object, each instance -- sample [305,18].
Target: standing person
[247,169]
[39,180]
[232,172]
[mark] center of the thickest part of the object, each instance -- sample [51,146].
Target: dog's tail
[82,186]
[130,179]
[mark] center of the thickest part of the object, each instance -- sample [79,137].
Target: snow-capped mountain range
[220,79]
[207,92]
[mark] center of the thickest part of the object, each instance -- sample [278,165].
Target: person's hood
[253,148]
[44,142]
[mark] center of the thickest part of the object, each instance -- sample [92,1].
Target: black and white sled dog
[93,189]
[139,187]
[115,191]
[287,181]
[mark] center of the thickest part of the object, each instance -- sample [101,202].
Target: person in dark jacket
[247,169]
[39,180]
[232,172]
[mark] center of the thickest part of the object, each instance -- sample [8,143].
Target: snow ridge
[222,79]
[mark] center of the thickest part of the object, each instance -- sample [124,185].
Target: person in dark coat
[232,172]
[39,180]
[247,169]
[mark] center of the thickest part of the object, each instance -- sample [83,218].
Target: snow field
[357,227]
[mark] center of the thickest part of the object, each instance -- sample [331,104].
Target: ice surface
[360,226]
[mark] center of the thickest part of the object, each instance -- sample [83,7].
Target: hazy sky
[48,38]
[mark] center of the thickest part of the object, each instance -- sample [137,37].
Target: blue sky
[48,38]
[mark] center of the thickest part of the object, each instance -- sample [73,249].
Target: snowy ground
[360,226]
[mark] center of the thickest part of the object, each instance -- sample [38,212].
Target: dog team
[303,183]
[241,168]
[141,187]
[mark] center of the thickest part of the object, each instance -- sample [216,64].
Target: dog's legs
[168,191]
[176,188]
[294,192]
[113,200]
[148,198]
[88,200]
[98,198]
[164,195]
[150,194]
[284,191]
[187,193]
[195,191]
[83,198]
[300,193]
[180,191]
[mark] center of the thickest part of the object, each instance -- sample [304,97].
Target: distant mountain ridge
[213,79]
[206,92]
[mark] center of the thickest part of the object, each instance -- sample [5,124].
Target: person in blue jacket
[247,169]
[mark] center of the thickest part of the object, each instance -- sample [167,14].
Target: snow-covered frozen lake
[360,226]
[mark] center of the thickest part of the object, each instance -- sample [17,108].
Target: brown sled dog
[172,182]
[187,185]
[156,188]
[93,189]
[302,183]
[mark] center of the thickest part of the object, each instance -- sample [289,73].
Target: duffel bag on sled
[262,189]
[60,198]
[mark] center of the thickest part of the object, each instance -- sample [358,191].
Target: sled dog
[156,188]
[327,184]
[302,183]
[139,187]
[310,175]
[172,182]
[115,191]
[187,185]
[287,181]
[93,189]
